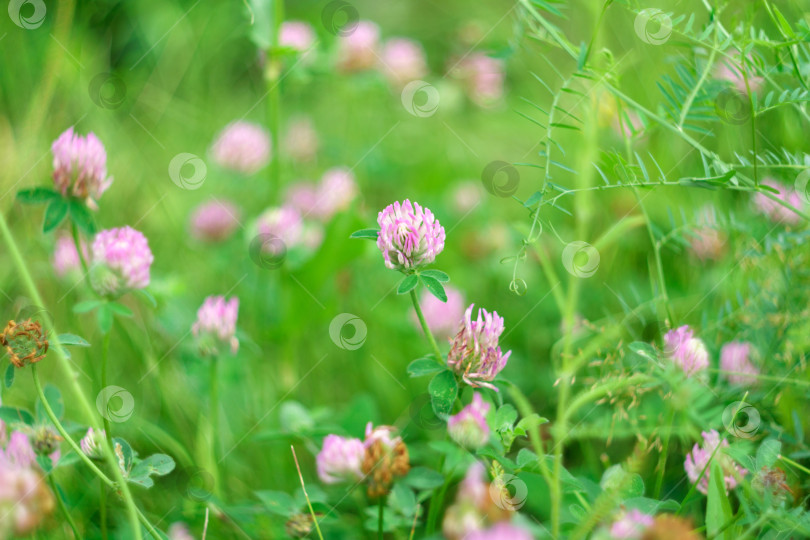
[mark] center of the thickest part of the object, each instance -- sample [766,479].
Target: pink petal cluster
[385,434]
[708,242]
[465,516]
[66,256]
[340,459]
[334,193]
[441,317]
[91,443]
[216,324]
[25,501]
[469,426]
[501,531]
[466,196]
[410,236]
[282,222]
[214,221]
[482,76]
[699,459]
[475,353]
[242,147]
[297,35]
[123,257]
[357,51]
[735,359]
[402,61]
[733,73]
[80,166]
[179,531]
[631,525]
[628,124]
[686,351]
[775,211]
[301,141]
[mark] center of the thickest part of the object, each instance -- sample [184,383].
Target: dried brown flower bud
[299,525]
[25,342]
[46,441]
[382,463]
[670,527]
[773,482]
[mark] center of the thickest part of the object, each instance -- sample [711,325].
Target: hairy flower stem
[60,428]
[124,489]
[70,377]
[62,507]
[425,327]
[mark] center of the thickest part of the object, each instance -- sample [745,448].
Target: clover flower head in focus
[410,236]
[475,353]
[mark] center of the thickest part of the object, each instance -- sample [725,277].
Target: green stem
[306,495]
[273,75]
[77,241]
[62,506]
[380,519]
[425,327]
[102,497]
[69,374]
[797,465]
[105,353]
[214,416]
[662,458]
[60,428]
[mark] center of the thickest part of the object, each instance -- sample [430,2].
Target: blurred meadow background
[683,240]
